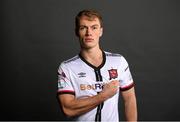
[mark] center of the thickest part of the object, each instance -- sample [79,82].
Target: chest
[88,81]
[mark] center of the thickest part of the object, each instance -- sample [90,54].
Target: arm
[130,104]
[74,107]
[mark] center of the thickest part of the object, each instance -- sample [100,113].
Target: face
[89,32]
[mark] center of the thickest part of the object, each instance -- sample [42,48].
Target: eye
[94,27]
[82,28]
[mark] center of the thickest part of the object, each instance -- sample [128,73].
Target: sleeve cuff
[127,87]
[66,92]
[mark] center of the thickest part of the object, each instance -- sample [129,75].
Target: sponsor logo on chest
[96,86]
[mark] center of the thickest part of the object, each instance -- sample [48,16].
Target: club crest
[113,74]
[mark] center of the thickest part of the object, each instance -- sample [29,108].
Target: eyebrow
[90,26]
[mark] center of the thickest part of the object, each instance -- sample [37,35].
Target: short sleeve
[64,82]
[126,80]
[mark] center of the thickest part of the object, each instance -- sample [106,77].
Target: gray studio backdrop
[39,34]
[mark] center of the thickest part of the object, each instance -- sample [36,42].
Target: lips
[89,39]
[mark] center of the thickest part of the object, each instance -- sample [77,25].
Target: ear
[101,32]
[77,32]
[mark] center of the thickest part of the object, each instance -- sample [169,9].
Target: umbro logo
[82,74]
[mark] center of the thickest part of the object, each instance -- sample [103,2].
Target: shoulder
[73,59]
[116,56]
[110,54]
[69,62]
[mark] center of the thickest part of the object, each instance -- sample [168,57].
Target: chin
[88,46]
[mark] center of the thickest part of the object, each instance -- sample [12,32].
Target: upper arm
[130,104]
[65,92]
[64,80]
[126,80]
[66,101]
[128,95]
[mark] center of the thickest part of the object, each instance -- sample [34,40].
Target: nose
[88,32]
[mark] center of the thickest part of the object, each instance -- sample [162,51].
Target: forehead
[85,20]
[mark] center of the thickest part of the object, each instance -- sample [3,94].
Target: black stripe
[98,75]
[98,113]
[126,68]
[98,79]
[73,93]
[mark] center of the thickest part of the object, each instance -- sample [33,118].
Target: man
[89,83]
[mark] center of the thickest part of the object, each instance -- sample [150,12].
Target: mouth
[89,39]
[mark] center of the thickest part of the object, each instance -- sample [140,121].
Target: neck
[93,56]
